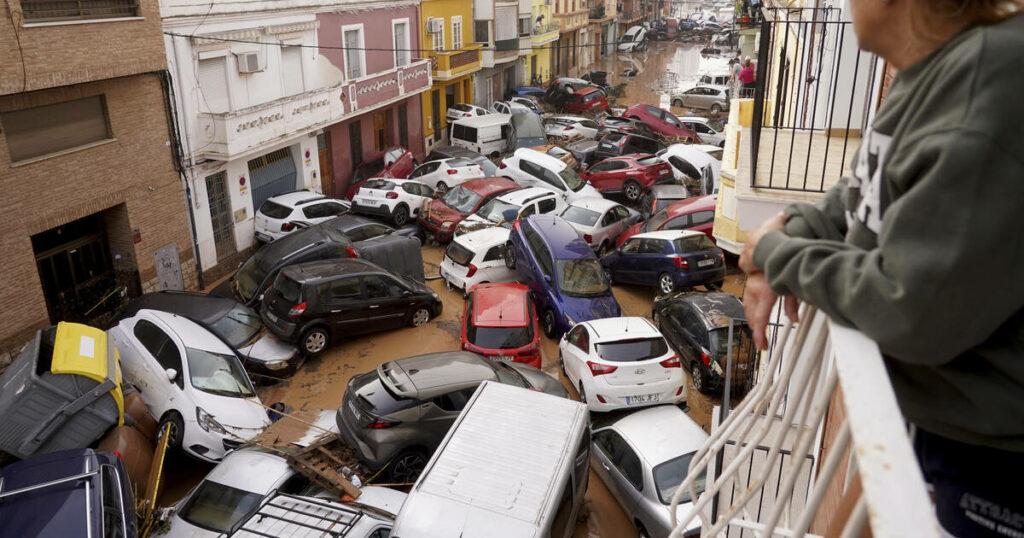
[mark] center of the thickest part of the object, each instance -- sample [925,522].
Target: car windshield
[572,179]
[581,278]
[461,199]
[459,254]
[656,221]
[379,184]
[580,215]
[238,326]
[218,373]
[248,278]
[368,170]
[715,126]
[217,507]
[495,210]
[274,210]
[289,289]
[668,476]
[690,244]
[637,349]
[499,337]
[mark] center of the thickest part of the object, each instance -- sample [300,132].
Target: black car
[561,88]
[616,144]
[696,324]
[450,152]
[262,353]
[618,124]
[315,303]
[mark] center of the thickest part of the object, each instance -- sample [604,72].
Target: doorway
[323,146]
[220,215]
[76,270]
[435,111]
[380,130]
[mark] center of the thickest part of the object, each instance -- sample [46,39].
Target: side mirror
[547,278]
[618,250]
[406,293]
[172,374]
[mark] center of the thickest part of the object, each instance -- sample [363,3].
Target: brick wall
[36,57]
[134,169]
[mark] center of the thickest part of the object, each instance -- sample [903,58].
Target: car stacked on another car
[696,213]
[531,168]
[710,131]
[476,257]
[661,121]
[619,124]
[586,100]
[524,202]
[458,111]
[559,153]
[397,200]
[315,303]
[281,214]
[599,221]
[441,216]
[631,175]
[499,322]
[450,152]
[396,162]
[444,174]
[571,126]
[617,144]
[659,197]
[669,260]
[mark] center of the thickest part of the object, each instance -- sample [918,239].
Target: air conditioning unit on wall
[249,62]
[435,26]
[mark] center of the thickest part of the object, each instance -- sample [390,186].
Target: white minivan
[526,478]
[489,135]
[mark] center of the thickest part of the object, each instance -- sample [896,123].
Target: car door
[690,98]
[622,222]
[529,174]
[651,252]
[656,122]
[424,173]
[608,225]
[605,175]
[541,266]
[158,352]
[576,352]
[702,221]
[344,305]
[627,265]
[439,413]
[390,303]
[619,467]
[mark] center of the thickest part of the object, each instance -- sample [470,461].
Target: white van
[487,135]
[634,39]
[514,465]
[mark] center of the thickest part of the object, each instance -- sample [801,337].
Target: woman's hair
[936,14]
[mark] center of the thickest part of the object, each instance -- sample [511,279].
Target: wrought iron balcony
[447,65]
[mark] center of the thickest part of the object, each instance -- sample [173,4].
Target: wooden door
[323,143]
[380,131]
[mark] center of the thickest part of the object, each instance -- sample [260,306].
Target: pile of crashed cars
[539,214]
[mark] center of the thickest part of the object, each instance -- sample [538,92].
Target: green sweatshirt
[922,248]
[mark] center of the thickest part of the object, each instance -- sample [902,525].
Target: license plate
[367,201]
[705,263]
[503,358]
[642,398]
[355,412]
[271,316]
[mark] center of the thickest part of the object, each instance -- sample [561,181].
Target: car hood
[441,212]
[243,417]
[541,381]
[268,348]
[587,190]
[588,308]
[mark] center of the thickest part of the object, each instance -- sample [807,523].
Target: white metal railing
[777,498]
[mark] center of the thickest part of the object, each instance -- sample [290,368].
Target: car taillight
[468,115]
[671,362]
[472,271]
[452,172]
[680,391]
[380,424]
[588,238]
[391,195]
[706,358]
[287,226]
[297,310]
[680,262]
[503,165]
[600,369]
[351,252]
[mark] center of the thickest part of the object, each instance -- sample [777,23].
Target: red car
[661,121]
[396,162]
[500,323]
[630,174]
[442,215]
[586,99]
[690,214]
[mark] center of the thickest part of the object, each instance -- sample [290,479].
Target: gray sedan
[643,457]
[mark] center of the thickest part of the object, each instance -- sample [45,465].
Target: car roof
[397,181]
[250,469]
[661,433]
[587,90]
[543,159]
[521,196]
[486,186]
[500,305]
[295,198]
[433,374]
[316,270]
[191,333]
[669,235]
[485,120]
[594,203]
[689,205]
[483,238]
[632,158]
[561,237]
[696,119]
[622,328]
[65,504]
[197,306]
[715,308]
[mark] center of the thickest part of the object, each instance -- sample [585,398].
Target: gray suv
[398,414]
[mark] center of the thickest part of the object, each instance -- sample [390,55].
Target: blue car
[524,91]
[668,259]
[560,269]
[77,492]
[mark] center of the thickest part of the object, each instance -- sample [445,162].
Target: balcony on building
[504,51]
[449,65]
[543,34]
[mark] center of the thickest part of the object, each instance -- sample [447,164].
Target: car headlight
[277,365]
[435,295]
[568,319]
[447,225]
[204,419]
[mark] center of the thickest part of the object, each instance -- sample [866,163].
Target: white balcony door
[212,91]
[401,39]
[291,69]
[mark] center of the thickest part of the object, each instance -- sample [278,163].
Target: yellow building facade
[446,30]
[543,35]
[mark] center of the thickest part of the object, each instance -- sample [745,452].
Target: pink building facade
[380,96]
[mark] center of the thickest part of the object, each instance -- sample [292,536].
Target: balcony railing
[814,94]
[448,64]
[506,44]
[597,12]
[60,10]
[824,381]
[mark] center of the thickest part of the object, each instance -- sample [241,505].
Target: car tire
[315,340]
[400,216]
[177,431]
[714,286]
[633,191]
[548,323]
[441,188]
[665,284]
[715,109]
[406,467]
[699,379]
[419,317]
[510,256]
[678,103]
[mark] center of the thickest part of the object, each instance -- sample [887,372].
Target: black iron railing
[814,91]
[60,10]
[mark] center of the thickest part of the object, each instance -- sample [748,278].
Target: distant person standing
[734,77]
[747,78]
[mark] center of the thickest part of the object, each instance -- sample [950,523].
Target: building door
[271,174]
[380,131]
[355,143]
[75,269]
[435,112]
[323,146]
[403,125]
[220,214]
[533,68]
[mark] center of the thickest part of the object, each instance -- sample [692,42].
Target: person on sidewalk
[919,247]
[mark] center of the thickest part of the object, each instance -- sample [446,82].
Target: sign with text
[391,84]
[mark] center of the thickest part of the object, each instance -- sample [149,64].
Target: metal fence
[814,94]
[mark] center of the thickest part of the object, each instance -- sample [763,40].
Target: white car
[463,110]
[510,107]
[571,126]
[476,257]
[531,168]
[527,102]
[191,380]
[653,447]
[634,39]
[398,200]
[372,516]
[616,363]
[689,161]
[709,131]
[444,174]
[599,221]
[525,202]
[280,215]
[705,96]
[714,151]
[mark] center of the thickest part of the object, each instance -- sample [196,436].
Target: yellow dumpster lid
[83,350]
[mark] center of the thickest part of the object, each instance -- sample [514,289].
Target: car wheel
[699,382]
[419,317]
[714,285]
[715,109]
[633,190]
[315,340]
[441,188]
[665,283]
[400,216]
[547,323]
[407,466]
[176,431]
[583,394]
[678,103]
[510,256]
[641,532]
